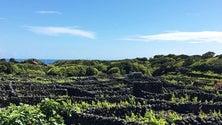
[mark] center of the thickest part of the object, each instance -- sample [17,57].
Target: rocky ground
[148,92]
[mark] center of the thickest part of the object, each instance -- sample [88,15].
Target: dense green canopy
[156,66]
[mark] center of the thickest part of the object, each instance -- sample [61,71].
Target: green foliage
[201,66]
[55,71]
[113,70]
[141,68]
[28,115]
[2,60]
[23,114]
[68,70]
[218,94]
[91,71]
[216,65]
[12,60]
[132,117]
[6,67]
[80,107]
[173,98]
[159,65]
[49,107]
[52,107]
[149,118]
[164,65]
[202,114]
[119,85]
[195,99]
[103,104]
[208,55]
[216,113]
[27,69]
[132,100]
[183,99]
[101,67]
[212,113]
[173,116]
[207,87]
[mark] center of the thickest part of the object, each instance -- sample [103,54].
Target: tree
[3,68]
[191,60]
[217,66]
[142,59]
[208,55]
[201,66]
[3,60]
[166,65]
[141,68]
[127,67]
[6,67]
[101,67]
[12,60]
[91,71]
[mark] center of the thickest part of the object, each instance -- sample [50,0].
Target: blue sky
[108,29]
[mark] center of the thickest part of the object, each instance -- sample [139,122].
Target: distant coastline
[46,61]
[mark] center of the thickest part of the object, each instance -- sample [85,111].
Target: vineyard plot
[145,100]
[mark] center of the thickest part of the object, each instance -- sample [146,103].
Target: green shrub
[173,116]
[51,107]
[113,70]
[91,71]
[27,115]
[149,118]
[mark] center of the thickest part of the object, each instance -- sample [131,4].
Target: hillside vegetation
[207,65]
[162,90]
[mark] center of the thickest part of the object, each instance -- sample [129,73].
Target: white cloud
[61,31]
[192,37]
[48,12]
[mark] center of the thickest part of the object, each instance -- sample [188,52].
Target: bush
[55,71]
[6,67]
[208,55]
[91,71]
[114,70]
[27,115]
[149,118]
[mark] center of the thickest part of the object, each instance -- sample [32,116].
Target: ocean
[46,61]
